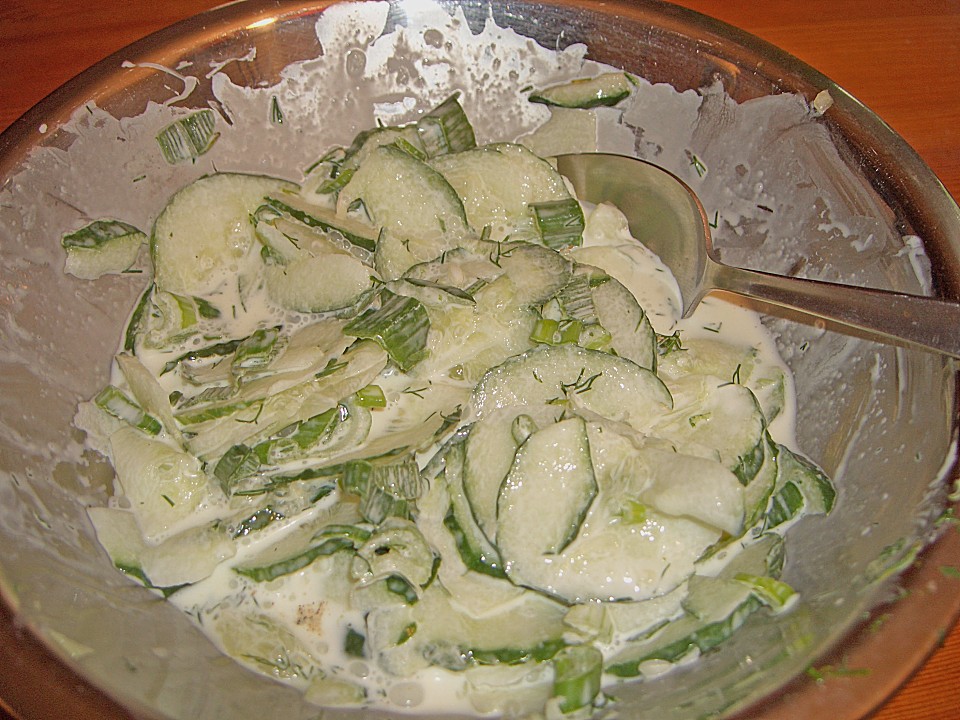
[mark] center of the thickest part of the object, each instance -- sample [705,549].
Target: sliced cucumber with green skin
[616,555]
[498,183]
[758,491]
[800,486]
[476,550]
[642,473]
[488,455]
[168,490]
[611,559]
[631,334]
[363,145]
[257,639]
[204,237]
[570,376]
[533,273]
[694,487]
[551,469]
[716,606]
[148,392]
[529,627]
[102,247]
[421,215]
[709,356]
[320,283]
[185,558]
[720,420]
[606,89]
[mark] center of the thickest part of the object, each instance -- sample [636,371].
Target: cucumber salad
[423,431]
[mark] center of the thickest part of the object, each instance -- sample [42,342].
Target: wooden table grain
[901,59]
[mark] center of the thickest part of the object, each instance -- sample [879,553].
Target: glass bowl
[881,420]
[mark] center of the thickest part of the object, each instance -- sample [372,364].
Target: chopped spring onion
[256,350]
[266,573]
[357,233]
[222,349]
[400,326]
[133,327]
[237,463]
[446,129]
[577,671]
[371,397]
[113,401]
[385,490]
[773,593]
[559,222]
[295,441]
[189,137]
[99,233]
[576,301]
[556,332]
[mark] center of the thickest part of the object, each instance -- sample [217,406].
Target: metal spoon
[666,216]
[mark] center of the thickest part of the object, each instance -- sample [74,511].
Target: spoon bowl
[665,214]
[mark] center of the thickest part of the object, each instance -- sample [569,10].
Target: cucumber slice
[255,638]
[102,247]
[167,489]
[498,183]
[319,283]
[532,274]
[204,237]
[364,144]
[694,487]
[528,628]
[606,89]
[488,455]
[148,392]
[421,215]
[476,550]
[631,334]
[709,356]
[723,421]
[641,473]
[758,491]
[360,235]
[185,558]
[572,377]
[612,559]
[552,469]
[396,548]
[716,606]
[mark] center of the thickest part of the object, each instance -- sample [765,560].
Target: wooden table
[902,59]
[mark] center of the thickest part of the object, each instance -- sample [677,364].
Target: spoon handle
[919,321]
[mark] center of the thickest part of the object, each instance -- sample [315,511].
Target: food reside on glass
[423,430]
